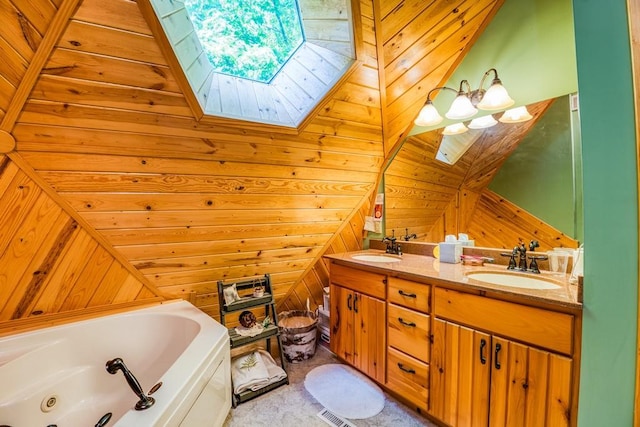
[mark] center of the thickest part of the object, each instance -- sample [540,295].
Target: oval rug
[344,391]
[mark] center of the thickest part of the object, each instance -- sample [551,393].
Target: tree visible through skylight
[252,39]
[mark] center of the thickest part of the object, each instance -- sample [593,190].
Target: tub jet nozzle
[116,365]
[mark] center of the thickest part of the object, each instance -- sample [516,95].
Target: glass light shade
[483,122]
[461,108]
[428,116]
[495,98]
[455,129]
[516,115]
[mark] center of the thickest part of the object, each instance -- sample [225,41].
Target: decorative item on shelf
[467,103]
[231,294]
[247,319]
[267,322]
[249,326]
[258,289]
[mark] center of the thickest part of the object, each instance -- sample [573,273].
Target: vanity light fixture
[455,129]
[483,122]
[468,101]
[516,115]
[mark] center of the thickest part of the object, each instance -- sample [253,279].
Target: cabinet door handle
[483,358]
[355,303]
[405,323]
[406,294]
[349,302]
[407,370]
[496,360]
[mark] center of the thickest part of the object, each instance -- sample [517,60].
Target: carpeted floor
[292,405]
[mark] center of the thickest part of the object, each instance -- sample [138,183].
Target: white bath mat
[344,391]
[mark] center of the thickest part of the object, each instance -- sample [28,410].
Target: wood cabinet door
[341,321]
[460,374]
[529,387]
[370,343]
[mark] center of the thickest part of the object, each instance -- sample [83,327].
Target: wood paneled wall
[498,223]
[49,263]
[95,112]
[187,203]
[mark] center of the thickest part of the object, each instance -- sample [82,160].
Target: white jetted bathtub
[58,376]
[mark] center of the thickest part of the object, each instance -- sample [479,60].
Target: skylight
[271,61]
[249,39]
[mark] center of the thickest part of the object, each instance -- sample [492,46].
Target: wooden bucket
[298,330]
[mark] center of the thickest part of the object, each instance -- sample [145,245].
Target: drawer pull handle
[483,358]
[355,303]
[407,370]
[405,323]
[349,301]
[496,360]
[405,294]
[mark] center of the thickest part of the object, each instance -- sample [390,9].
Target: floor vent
[334,420]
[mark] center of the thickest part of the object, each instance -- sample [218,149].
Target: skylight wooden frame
[322,60]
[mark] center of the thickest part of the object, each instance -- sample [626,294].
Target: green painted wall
[610,213]
[539,175]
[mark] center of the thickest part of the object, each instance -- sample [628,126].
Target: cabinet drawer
[409,294]
[408,377]
[536,326]
[408,330]
[372,284]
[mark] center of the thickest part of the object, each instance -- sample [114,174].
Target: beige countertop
[421,267]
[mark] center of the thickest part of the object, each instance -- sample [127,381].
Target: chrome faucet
[145,401]
[393,247]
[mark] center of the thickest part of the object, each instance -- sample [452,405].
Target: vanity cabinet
[357,319]
[498,363]
[408,334]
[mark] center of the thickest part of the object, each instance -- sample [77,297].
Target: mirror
[514,180]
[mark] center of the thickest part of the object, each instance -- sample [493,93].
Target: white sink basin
[375,258]
[513,280]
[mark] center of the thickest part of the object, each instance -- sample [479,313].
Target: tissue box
[450,252]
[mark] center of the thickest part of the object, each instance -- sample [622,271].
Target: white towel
[254,370]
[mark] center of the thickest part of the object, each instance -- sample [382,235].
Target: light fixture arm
[462,91]
[441,88]
[484,77]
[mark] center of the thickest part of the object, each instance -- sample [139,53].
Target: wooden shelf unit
[247,302]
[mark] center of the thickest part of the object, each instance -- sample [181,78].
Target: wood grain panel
[188,201]
[99,68]
[498,223]
[18,31]
[49,264]
[74,91]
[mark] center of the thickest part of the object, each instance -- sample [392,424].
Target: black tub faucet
[116,365]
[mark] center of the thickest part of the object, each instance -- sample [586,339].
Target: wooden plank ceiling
[101,123]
